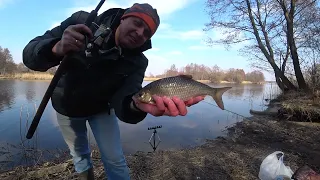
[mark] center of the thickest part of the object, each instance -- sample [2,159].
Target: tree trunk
[269,55]
[291,42]
[280,83]
[284,79]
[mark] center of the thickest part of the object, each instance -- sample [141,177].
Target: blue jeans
[106,132]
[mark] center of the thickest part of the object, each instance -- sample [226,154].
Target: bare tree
[215,74]
[269,28]
[173,71]
[7,64]
[255,76]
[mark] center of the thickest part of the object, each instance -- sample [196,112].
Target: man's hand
[166,106]
[72,39]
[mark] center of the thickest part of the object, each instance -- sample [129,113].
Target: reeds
[27,153]
[33,76]
[299,106]
[29,76]
[150,79]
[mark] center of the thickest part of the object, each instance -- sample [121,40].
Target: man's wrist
[55,51]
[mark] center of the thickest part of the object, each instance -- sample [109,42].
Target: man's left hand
[167,106]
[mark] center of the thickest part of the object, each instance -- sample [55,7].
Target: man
[99,90]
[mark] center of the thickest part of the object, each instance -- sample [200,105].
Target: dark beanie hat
[146,12]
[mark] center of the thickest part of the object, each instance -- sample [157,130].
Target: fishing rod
[89,21]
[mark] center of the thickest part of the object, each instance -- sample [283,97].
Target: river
[19,98]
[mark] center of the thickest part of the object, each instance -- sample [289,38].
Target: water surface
[19,98]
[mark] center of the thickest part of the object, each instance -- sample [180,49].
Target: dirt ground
[237,156]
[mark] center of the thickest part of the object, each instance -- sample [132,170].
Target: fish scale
[181,86]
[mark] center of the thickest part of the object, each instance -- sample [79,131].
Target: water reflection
[236,91]
[6,94]
[30,91]
[204,120]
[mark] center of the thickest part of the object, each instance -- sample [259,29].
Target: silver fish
[181,86]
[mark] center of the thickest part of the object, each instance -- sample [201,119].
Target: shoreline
[48,77]
[247,144]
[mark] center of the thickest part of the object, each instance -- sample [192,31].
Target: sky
[180,39]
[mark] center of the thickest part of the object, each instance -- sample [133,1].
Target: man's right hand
[72,39]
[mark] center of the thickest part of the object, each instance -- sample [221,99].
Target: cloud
[163,27]
[218,34]
[164,8]
[157,63]
[167,32]
[55,24]
[91,5]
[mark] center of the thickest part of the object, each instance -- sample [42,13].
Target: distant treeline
[214,74]
[199,72]
[9,67]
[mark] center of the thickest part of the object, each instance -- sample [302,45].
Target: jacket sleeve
[123,97]
[37,54]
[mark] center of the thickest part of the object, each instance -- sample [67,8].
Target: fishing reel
[101,36]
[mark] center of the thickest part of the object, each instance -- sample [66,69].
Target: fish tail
[216,94]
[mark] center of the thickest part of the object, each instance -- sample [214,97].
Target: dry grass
[29,76]
[246,82]
[225,82]
[150,79]
[299,106]
[243,82]
[204,81]
[36,76]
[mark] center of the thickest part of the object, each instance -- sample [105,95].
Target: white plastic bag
[273,168]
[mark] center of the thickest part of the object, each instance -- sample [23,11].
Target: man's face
[133,32]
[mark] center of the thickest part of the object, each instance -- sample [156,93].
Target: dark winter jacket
[86,90]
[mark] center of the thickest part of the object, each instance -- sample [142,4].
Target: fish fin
[217,96]
[187,76]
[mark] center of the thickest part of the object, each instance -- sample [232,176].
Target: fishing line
[226,110]
[247,118]
[261,121]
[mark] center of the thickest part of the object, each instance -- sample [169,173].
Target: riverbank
[47,76]
[29,76]
[237,156]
